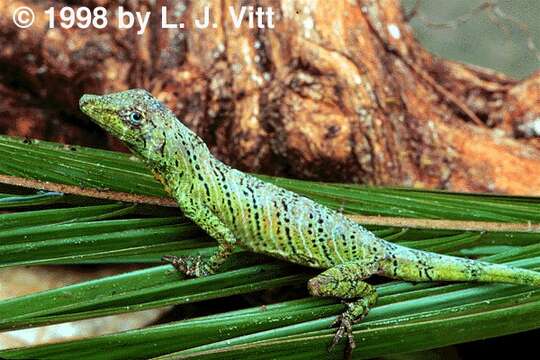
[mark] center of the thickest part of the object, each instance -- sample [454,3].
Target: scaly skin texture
[240,210]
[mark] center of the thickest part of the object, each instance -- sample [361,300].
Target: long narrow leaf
[101,169]
[73,230]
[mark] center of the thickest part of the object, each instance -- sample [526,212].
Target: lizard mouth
[88,104]
[96,108]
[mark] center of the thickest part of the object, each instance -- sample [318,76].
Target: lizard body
[238,209]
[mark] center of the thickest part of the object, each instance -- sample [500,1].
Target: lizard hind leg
[345,282]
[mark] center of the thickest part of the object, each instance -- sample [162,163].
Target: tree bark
[337,91]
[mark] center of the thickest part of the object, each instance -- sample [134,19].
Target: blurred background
[501,35]
[241,115]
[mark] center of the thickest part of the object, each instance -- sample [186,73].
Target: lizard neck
[177,159]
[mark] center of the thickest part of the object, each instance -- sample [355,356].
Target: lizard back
[272,220]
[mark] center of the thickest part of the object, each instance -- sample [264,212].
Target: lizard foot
[356,311]
[344,282]
[193,266]
[344,325]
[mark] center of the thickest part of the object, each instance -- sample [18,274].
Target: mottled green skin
[238,209]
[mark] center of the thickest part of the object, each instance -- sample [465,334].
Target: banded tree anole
[238,209]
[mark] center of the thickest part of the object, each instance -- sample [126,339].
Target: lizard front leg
[345,282]
[209,222]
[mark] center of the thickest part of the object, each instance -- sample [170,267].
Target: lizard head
[133,116]
[148,128]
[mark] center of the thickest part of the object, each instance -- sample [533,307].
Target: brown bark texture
[337,91]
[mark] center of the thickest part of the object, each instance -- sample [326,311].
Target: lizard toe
[344,325]
[193,266]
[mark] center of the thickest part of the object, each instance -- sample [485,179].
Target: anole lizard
[238,209]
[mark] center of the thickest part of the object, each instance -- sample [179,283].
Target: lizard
[238,209]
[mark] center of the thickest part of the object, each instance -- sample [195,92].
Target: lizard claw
[355,313]
[344,325]
[169,258]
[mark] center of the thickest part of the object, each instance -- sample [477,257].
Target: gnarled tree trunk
[337,91]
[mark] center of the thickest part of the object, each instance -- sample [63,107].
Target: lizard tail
[416,265]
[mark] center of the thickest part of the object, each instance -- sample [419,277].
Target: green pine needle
[38,227]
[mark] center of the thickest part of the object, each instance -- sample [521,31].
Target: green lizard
[238,209]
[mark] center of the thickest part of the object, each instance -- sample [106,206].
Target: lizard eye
[135,117]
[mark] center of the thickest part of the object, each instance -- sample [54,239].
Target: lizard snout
[87,100]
